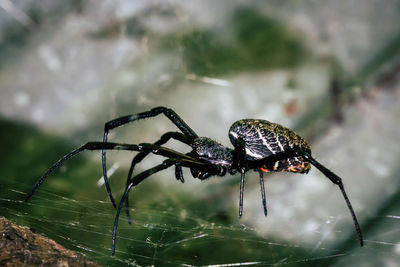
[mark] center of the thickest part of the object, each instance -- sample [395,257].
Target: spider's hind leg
[329,174]
[264,202]
[338,181]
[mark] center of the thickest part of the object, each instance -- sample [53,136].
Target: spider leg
[178,175]
[164,139]
[328,173]
[178,172]
[140,156]
[338,181]
[264,202]
[169,113]
[242,168]
[191,163]
[241,190]
[141,176]
[158,150]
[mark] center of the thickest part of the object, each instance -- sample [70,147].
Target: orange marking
[264,170]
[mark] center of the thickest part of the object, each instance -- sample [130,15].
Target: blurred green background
[329,69]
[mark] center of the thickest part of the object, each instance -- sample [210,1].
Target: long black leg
[269,161]
[158,150]
[338,181]
[140,156]
[140,177]
[143,175]
[242,168]
[169,113]
[178,175]
[164,139]
[178,172]
[264,202]
[241,190]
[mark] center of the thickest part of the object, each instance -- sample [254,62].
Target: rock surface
[20,246]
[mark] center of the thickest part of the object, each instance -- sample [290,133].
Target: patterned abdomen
[263,138]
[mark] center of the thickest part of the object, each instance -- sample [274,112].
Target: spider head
[212,152]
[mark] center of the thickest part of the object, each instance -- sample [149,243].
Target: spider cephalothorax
[258,145]
[213,152]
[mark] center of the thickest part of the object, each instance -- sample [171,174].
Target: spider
[258,145]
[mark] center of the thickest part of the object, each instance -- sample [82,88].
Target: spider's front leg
[164,139]
[169,113]
[183,162]
[158,150]
[140,156]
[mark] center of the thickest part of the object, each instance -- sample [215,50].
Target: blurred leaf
[258,43]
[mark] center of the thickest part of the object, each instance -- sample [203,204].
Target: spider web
[171,226]
[160,234]
[188,224]
[196,223]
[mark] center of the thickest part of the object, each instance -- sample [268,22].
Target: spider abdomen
[263,138]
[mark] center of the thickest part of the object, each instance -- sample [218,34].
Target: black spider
[259,145]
